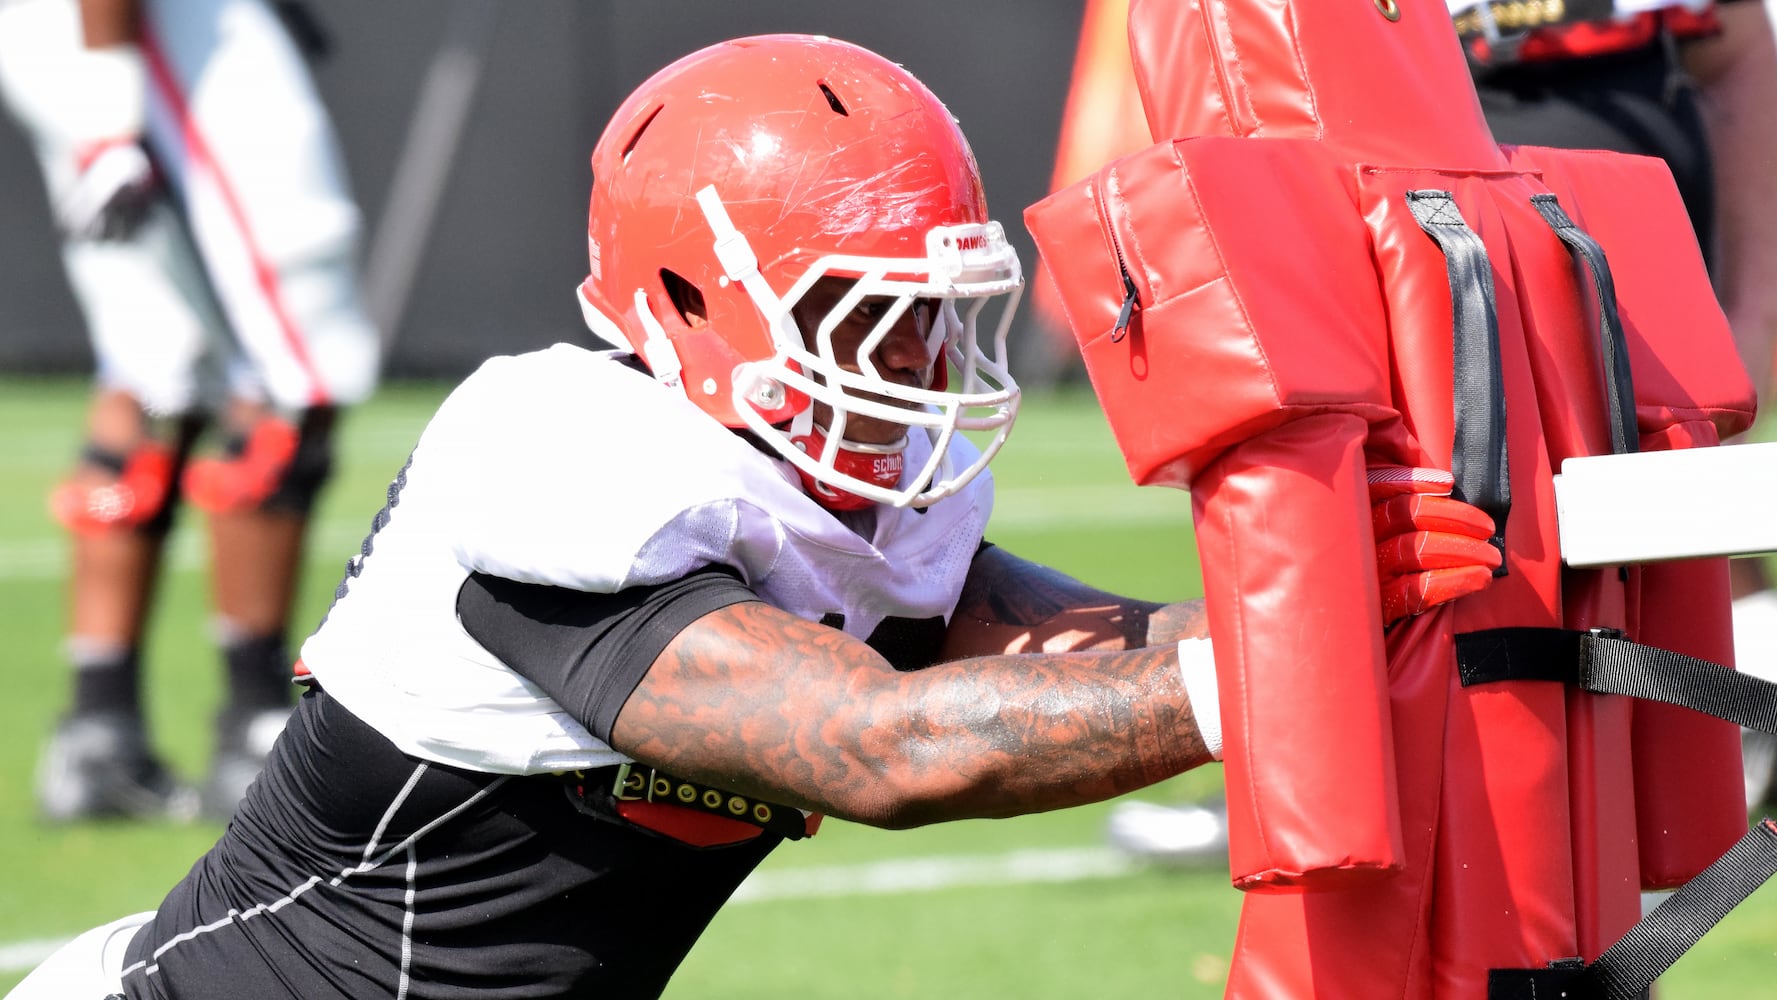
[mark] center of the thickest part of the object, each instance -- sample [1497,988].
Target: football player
[211,243]
[630,618]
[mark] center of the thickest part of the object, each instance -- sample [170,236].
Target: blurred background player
[212,244]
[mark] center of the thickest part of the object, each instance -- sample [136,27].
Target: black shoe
[241,748]
[98,766]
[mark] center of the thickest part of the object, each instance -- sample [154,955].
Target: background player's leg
[258,498]
[236,120]
[117,505]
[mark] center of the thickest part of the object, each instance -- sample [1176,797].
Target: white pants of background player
[251,284]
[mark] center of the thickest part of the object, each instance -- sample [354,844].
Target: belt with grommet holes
[698,814]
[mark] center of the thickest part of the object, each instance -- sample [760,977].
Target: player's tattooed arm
[755,699]
[1011,605]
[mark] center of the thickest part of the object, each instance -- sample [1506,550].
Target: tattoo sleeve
[1013,605]
[758,700]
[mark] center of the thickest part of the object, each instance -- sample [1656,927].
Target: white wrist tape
[1197,665]
[110,100]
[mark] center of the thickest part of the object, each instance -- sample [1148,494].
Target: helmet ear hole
[685,298]
[834,102]
[636,137]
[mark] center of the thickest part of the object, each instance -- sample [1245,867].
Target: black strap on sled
[1619,384]
[1602,661]
[1628,968]
[1478,453]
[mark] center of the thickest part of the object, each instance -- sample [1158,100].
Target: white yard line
[929,874]
[876,878]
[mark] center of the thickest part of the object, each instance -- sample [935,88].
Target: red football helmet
[733,180]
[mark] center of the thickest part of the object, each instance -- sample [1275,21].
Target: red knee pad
[134,498]
[244,480]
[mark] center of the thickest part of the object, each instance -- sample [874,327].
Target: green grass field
[1032,907]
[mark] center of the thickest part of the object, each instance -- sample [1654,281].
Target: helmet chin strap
[878,465]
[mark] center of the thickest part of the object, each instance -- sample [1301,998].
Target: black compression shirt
[353,870]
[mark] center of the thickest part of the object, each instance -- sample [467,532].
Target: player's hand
[116,187]
[1430,548]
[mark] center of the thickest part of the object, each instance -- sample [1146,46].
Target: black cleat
[98,766]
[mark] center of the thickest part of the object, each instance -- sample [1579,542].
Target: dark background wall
[506,245]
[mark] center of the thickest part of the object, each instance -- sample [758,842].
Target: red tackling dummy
[1266,307]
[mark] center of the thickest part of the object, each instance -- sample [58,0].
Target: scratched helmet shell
[733,180]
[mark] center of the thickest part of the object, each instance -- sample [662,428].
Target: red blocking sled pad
[1328,264]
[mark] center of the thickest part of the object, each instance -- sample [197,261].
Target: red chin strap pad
[940,374]
[871,467]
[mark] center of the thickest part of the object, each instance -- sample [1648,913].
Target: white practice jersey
[569,467]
